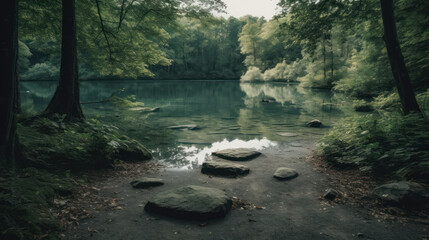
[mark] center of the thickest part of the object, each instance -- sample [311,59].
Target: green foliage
[115,38]
[25,199]
[204,48]
[362,106]
[55,143]
[392,145]
[128,101]
[253,74]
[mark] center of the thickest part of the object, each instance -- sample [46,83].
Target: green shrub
[362,106]
[392,145]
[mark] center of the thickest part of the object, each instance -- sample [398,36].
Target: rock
[267,100]
[145,109]
[287,134]
[191,202]
[224,169]
[284,173]
[130,150]
[147,183]
[237,154]
[185,127]
[403,193]
[331,194]
[314,123]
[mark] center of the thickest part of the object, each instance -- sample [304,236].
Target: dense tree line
[348,46]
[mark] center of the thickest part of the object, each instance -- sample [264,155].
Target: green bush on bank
[388,144]
[50,148]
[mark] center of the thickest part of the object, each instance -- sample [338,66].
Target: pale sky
[259,8]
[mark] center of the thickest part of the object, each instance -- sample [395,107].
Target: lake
[227,113]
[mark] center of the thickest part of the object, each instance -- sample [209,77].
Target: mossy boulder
[404,193]
[191,202]
[224,169]
[76,145]
[130,150]
[237,154]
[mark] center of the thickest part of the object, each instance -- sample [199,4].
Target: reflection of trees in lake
[296,104]
[281,93]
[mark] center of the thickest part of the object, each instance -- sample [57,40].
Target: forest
[131,119]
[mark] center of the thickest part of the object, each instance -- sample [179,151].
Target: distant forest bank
[347,57]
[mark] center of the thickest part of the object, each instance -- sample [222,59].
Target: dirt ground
[110,209]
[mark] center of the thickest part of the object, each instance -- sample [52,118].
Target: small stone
[314,123]
[237,154]
[185,127]
[287,134]
[331,194]
[147,183]
[224,169]
[284,173]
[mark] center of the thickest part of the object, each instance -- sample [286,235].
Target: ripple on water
[189,157]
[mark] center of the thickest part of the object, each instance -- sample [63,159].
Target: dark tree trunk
[400,73]
[8,80]
[332,63]
[324,58]
[66,99]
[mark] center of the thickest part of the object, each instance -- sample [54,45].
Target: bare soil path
[265,208]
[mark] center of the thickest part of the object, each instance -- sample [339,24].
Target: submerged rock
[287,134]
[145,109]
[147,183]
[284,173]
[191,202]
[130,150]
[224,169]
[331,194]
[185,127]
[403,193]
[314,123]
[237,154]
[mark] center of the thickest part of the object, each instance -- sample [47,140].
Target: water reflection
[222,109]
[192,156]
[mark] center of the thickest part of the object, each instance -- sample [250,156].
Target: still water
[228,114]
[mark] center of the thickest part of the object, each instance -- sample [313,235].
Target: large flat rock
[224,169]
[191,202]
[237,154]
[284,173]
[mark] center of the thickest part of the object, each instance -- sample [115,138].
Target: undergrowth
[51,151]
[390,145]
[25,198]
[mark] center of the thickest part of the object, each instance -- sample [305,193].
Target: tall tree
[311,17]
[9,79]
[397,63]
[66,99]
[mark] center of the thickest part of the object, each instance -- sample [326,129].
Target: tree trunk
[332,63]
[66,99]
[8,80]
[324,58]
[397,63]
